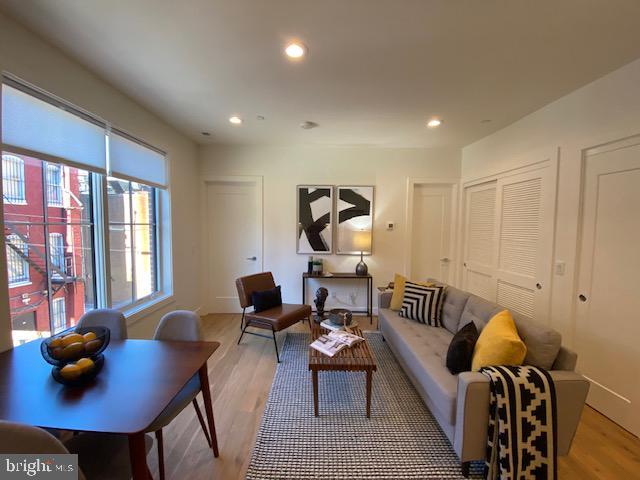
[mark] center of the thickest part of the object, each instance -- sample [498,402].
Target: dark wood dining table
[137,382]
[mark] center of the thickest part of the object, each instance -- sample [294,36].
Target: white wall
[32,59]
[603,111]
[285,167]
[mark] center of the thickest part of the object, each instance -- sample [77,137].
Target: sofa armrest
[566,360]
[384,299]
[472,412]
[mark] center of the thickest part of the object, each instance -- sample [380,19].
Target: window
[132,241]
[54,185]
[13,179]
[93,230]
[59,314]
[56,250]
[17,265]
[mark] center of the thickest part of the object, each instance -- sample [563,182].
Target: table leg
[369,379]
[206,394]
[314,374]
[138,457]
[370,303]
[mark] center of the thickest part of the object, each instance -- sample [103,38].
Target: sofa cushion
[499,343]
[461,349]
[454,303]
[424,351]
[543,343]
[479,311]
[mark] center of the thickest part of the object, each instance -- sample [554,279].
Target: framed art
[354,208]
[315,219]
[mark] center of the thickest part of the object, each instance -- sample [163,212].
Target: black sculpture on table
[321,297]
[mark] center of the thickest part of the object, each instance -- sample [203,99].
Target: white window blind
[131,160]
[35,125]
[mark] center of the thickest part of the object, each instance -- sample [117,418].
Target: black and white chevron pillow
[423,304]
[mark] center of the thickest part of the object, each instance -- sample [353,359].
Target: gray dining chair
[100,456]
[180,325]
[106,317]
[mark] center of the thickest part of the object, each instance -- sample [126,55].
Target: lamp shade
[361,241]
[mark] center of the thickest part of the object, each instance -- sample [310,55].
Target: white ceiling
[377,70]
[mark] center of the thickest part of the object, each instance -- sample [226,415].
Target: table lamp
[362,243]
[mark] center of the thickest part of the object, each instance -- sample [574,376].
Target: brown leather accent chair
[274,319]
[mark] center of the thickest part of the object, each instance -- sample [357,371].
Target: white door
[234,238]
[509,240]
[431,232]
[608,304]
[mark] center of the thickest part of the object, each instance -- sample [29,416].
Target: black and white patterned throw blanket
[522,440]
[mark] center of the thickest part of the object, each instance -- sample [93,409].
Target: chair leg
[273,332]
[242,319]
[160,453]
[201,419]
[464,466]
[243,330]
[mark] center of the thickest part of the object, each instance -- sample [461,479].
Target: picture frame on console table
[314,214]
[354,209]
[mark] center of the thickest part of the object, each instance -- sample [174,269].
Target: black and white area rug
[402,440]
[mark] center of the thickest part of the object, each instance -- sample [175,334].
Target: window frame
[19,181]
[54,187]
[25,279]
[55,312]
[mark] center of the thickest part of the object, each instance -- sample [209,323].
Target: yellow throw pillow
[499,343]
[398,290]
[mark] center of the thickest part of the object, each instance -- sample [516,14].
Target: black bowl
[83,379]
[102,334]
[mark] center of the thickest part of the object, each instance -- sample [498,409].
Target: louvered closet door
[524,233]
[509,241]
[479,248]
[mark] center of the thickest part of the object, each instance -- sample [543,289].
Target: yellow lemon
[72,338]
[89,336]
[85,364]
[92,346]
[71,371]
[72,351]
[56,353]
[55,342]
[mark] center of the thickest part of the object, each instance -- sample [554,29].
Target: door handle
[252,258]
[582,298]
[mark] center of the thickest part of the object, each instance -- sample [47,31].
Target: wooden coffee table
[358,358]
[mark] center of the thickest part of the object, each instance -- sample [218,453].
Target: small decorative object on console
[321,297]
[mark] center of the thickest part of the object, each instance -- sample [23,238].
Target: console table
[343,276]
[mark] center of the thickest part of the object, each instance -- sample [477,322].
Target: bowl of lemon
[76,355]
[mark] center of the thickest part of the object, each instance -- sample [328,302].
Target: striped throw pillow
[423,303]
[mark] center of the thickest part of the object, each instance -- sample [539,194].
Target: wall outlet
[390,225]
[559,268]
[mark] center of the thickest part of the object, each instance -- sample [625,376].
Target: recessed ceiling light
[260,117]
[308,125]
[486,120]
[206,134]
[235,120]
[295,50]
[434,122]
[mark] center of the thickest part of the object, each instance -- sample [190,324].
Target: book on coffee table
[333,342]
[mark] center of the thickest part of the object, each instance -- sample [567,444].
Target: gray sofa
[460,403]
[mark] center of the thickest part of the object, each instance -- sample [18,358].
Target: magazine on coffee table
[333,342]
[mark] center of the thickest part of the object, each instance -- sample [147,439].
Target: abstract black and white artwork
[315,218]
[355,214]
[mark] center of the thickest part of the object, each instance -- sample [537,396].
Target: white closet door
[524,242]
[479,249]
[508,246]
[607,305]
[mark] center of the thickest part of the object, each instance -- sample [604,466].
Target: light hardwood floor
[241,377]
